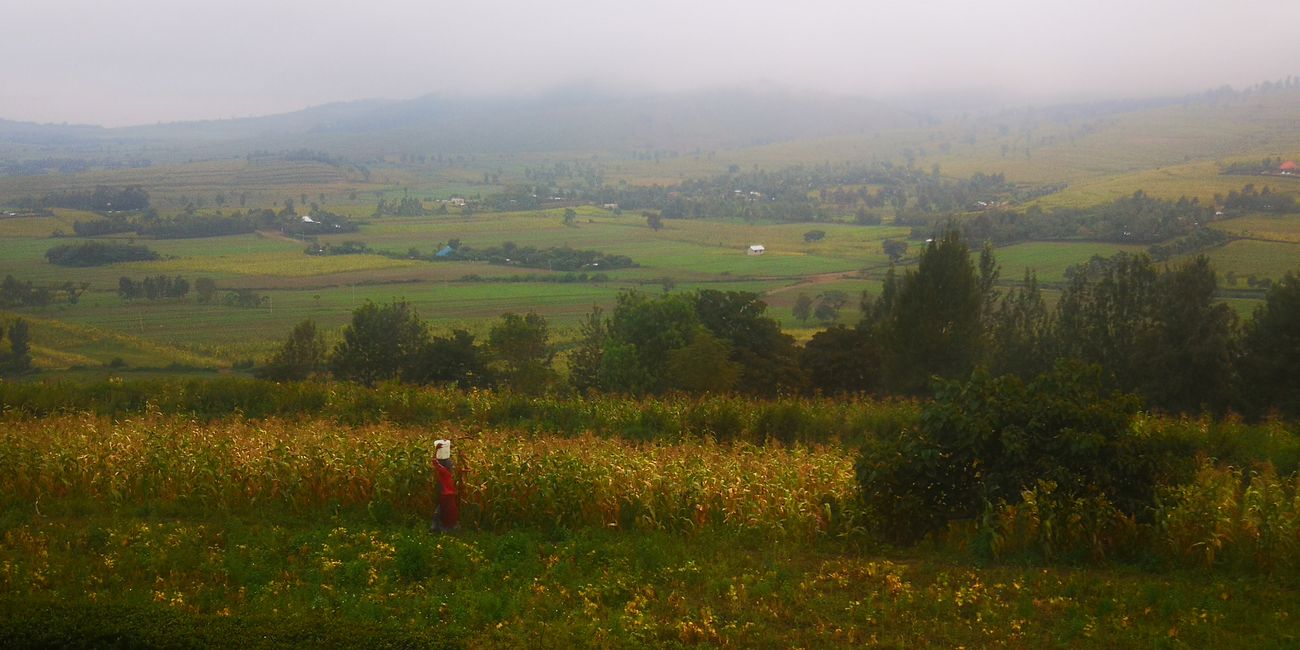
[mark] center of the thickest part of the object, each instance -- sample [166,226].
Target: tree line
[98,253]
[191,224]
[22,293]
[1157,331]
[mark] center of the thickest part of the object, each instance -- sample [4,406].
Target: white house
[306,218]
[757,249]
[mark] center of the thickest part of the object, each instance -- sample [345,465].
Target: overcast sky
[141,61]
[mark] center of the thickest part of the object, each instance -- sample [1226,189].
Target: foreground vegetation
[157,529]
[150,580]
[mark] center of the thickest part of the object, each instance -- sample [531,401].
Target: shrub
[988,440]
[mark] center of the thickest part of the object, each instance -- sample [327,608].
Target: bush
[989,440]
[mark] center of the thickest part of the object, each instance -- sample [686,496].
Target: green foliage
[1272,350]
[702,366]
[1021,336]
[987,440]
[642,332]
[453,359]
[585,361]
[382,342]
[301,357]
[933,325]
[19,358]
[802,307]
[1160,333]
[766,358]
[98,253]
[895,249]
[22,294]
[840,360]
[521,347]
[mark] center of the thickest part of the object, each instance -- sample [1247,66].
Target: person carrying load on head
[447,514]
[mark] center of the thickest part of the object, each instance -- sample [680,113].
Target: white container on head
[443,448]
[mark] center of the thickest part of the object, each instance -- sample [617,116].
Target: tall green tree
[381,343]
[767,357]
[522,350]
[584,362]
[642,332]
[1270,364]
[1104,311]
[703,365]
[934,326]
[19,359]
[302,355]
[1021,335]
[1189,352]
[454,358]
[841,360]
[803,307]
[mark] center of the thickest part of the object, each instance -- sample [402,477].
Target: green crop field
[1260,258]
[1049,260]
[1277,228]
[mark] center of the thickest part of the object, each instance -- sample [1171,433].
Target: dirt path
[275,234]
[813,280]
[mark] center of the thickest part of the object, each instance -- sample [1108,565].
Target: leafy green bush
[987,440]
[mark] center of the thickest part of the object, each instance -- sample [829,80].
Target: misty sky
[143,61]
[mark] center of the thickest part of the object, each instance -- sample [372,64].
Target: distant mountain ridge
[561,120]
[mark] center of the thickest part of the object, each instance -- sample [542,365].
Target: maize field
[506,478]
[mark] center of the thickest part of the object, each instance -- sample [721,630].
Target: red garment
[445,479]
[448,511]
[448,503]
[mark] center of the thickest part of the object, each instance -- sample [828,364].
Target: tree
[584,363]
[840,360]
[829,305]
[1272,350]
[814,235]
[896,249]
[934,325]
[653,220]
[1021,334]
[864,218]
[802,307]
[19,359]
[382,342]
[452,359]
[1103,310]
[1189,353]
[986,440]
[570,215]
[521,348]
[642,331]
[703,366]
[302,356]
[768,358]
